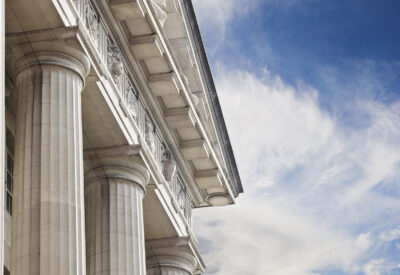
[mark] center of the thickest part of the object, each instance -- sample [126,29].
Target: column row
[51,198]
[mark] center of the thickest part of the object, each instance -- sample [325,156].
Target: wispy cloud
[319,167]
[259,237]
[380,266]
[215,16]
[390,235]
[312,184]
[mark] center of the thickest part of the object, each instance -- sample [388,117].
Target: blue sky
[310,91]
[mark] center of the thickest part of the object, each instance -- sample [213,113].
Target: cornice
[142,84]
[213,96]
[175,67]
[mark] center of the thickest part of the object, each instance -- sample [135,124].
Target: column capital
[118,162]
[170,257]
[172,254]
[53,47]
[70,59]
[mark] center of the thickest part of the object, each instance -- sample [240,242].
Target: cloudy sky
[310,90]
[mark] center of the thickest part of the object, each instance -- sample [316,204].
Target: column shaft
[48,217]
[115,237]
[114,219]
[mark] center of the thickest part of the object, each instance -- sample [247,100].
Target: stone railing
[132,103]
[183,201]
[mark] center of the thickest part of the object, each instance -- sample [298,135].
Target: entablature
[162,85]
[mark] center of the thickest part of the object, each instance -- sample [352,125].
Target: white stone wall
[2,129]
[7,239]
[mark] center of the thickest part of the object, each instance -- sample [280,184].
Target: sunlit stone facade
[111,135]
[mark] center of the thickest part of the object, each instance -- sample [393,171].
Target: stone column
[170,261]
[48,208]
[114,192]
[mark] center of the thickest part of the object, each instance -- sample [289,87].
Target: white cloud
[379,267]
[256,237]
[310,182]
[390,235]
[374,267]
[282,125]
[216,16]
[218,13]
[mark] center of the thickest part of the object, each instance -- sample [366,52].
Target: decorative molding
[111,152]
[149,133]
[168,242]
[175,258]
[114,61]
[132,100]
[169,165]
[135,173]
[55,47]
[62,33]
[93,21]
[53,58]
[159,8]
[218,199]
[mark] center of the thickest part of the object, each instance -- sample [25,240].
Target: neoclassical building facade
[112,133]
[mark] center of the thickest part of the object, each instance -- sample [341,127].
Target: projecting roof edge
[212,94]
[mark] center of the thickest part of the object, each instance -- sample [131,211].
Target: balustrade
[132,103]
